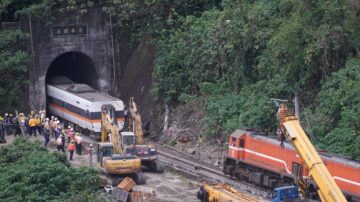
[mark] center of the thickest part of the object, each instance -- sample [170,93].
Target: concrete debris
[120,195]
[138,196]
[126,184]
[191,151]
[123,192]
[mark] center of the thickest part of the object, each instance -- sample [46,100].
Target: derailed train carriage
[261,160]
[80,104]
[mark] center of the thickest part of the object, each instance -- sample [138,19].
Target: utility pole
[297,106]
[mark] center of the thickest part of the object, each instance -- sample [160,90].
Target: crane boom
[290,126]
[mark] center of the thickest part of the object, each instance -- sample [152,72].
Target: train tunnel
[75,65]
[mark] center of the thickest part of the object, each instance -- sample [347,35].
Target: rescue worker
[90,152]
[69,133]
[78,140]
[32,125]
[59,143]
[52,126]
[46,132]
[11,124]
[7,124]
[63,130]
[27,126]
[22,123]
[17,125]
[2,130]
[71,148]
[57,129]
[38,124]
[42,119]
[63,143]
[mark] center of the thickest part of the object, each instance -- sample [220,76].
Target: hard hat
[52,117]
[11,114]
[6,114]
[47,119]
[40,112]
[69,126]
[72,130]
[90,145]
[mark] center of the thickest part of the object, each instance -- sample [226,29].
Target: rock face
[78,47]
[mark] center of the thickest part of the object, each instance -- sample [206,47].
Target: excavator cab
[104,150]
[128,138]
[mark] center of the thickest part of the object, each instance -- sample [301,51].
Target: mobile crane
[111,152]
[222,192]
[147,153]
[290,126]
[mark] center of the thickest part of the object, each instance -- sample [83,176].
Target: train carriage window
[233,141]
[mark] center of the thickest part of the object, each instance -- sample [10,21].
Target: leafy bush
[30,173]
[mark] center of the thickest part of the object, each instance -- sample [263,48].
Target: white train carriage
[81,105]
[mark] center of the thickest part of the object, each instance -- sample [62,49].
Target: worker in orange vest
[71,148]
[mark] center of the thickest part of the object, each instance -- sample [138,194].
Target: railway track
[203,171]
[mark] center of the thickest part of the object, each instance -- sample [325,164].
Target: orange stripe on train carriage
[74,114]
[81,117]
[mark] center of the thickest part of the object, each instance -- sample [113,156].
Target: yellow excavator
[147,153]
[111,151]
[290,127]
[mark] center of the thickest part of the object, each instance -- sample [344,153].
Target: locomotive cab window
[233,141]
[242,142]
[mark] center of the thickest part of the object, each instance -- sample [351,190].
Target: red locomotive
[261,160]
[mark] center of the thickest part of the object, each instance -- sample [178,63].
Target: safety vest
[32,122]
[71,147]
[52,124]
[37,122]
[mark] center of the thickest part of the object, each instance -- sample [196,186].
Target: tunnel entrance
[76,66]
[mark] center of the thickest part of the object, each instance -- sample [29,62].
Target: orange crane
[290,126]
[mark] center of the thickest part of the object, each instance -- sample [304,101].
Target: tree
[30,173]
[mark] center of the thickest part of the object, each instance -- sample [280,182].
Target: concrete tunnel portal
[76,66]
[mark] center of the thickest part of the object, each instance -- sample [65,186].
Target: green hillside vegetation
[30,173]
[236,55]
[241,56]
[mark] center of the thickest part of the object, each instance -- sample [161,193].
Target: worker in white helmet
[91,151]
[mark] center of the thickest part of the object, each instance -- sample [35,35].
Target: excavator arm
[109,129]
[291,128]
[135,122]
